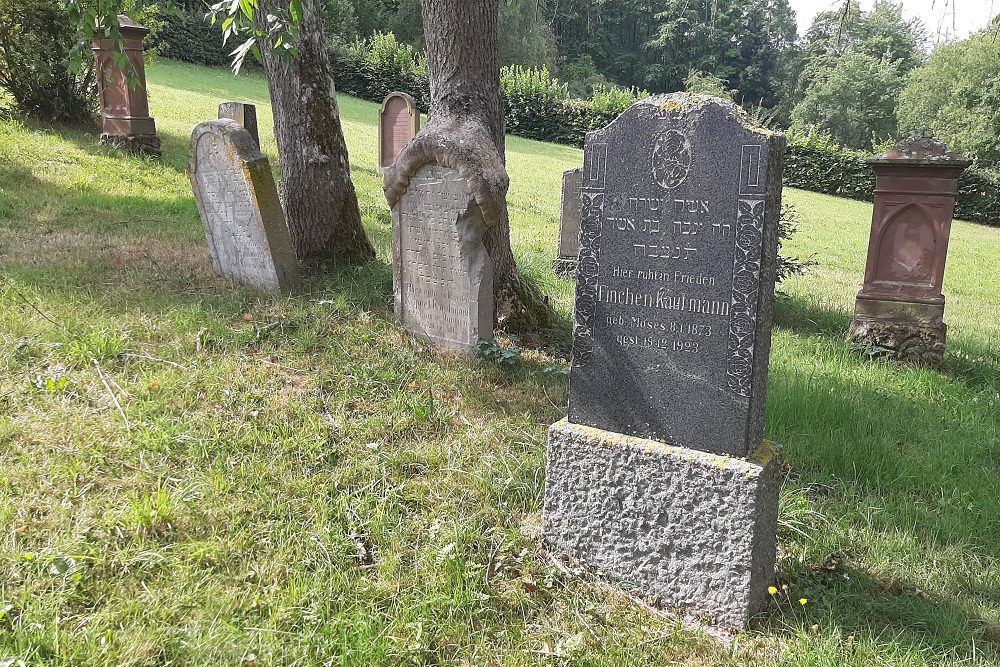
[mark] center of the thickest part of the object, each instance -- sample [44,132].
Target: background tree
[317,194]
[36,49]
[852,98]
[741,42]
[35,43]
[524,37]
[852,67]
[465,131]
[956,96]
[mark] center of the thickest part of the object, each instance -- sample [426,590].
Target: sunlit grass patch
[243,479]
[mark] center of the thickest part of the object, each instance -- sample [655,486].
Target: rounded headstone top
[921,151]
[406,96]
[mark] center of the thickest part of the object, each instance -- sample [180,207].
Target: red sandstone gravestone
[125,119]
[900,308]
[398,123]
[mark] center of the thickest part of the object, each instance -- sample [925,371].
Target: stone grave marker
[569,224]
[238,203]
[660,478]
[398,123]
[125,120]
[244,114]
[442,274]
[900,308]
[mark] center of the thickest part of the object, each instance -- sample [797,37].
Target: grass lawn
[192,474]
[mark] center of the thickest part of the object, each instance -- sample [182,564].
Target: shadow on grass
[897,461]
[806,318]
[86,137]
[967,360]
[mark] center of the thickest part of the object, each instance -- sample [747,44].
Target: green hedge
[189,37]
[538,106]
[373,68]
[820,167]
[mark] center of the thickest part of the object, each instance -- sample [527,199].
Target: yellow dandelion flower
[772,590]
[803,601]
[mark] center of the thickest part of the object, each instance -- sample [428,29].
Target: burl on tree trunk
[320,203]
[465,132]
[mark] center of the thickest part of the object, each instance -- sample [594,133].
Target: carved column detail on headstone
[900,308]
[125,119]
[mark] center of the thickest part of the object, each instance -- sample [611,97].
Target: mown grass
[192,474]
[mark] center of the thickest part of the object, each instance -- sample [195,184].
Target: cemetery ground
[191,473]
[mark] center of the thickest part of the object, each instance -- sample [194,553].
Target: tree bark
[320,203]
[465,131]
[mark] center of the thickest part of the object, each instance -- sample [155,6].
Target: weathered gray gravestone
[244,114]
[569,224]
[238,203]
[660,477]
[442,274]
[398,123]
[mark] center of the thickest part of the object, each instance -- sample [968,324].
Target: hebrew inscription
[676,275]
[443,277]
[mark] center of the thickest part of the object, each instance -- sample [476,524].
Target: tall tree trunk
[317,194]
[465,131]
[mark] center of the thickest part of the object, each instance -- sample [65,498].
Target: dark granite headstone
[569,223]
[675,282]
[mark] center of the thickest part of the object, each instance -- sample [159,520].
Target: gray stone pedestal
[693,529]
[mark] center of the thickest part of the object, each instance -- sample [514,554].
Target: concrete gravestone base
[564,268]
[903,340]
[695,530]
